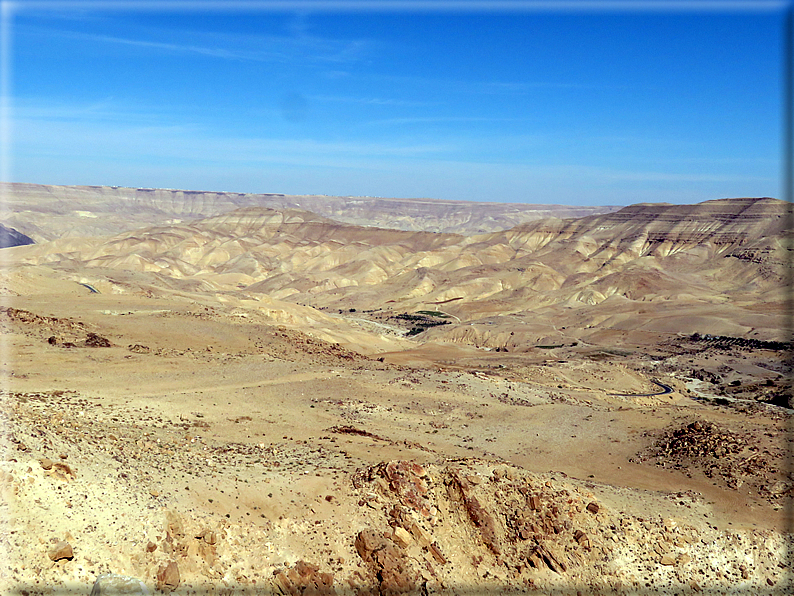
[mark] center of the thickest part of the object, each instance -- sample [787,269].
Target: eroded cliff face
[664,230]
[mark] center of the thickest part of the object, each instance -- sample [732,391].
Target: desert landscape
[217,393]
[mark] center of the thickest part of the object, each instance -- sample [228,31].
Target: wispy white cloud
[651,176]
[375,101]
[98,112]
[440,119]
[106,130]
[110,143]
[483,87]
[215,52]
[255,48]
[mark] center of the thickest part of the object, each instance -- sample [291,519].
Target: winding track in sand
[665,390]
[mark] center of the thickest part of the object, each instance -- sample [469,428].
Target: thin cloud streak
[261,48]
[99,112]
[185,144]
[182,143]
[376,101]
[486,87]
[439,119]
[106,129]
[204,51]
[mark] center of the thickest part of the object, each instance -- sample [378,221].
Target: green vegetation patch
[617,352]
[421,322]
[433,313]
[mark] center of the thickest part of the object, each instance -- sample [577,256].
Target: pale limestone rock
[121,585]
[62,550]
[168,577]
[402,537]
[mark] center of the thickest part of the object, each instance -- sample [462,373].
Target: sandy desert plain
[257,394]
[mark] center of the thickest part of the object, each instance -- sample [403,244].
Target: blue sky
[591,105]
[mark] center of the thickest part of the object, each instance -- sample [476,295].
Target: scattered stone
[111,584]
[552,561]
[167,578]
[139,349]
[151,547]
[93,340]
[667,560]
[436,553]
[401,537]
[420,535]
[477,513]
[593,507]
[304,579]
[390,567]
[46,463]
[62,550]
[581,538]
[62,471]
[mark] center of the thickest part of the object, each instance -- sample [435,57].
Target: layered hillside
[724,257]
[74,211]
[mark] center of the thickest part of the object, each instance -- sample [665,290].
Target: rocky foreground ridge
[455,526]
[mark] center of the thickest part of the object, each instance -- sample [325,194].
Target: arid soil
[203,438]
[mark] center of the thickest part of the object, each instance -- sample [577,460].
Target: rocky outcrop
[167,579]
[62,550]
[461,489]
[516,523]
[735,459]
[304,579]
[392,569]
